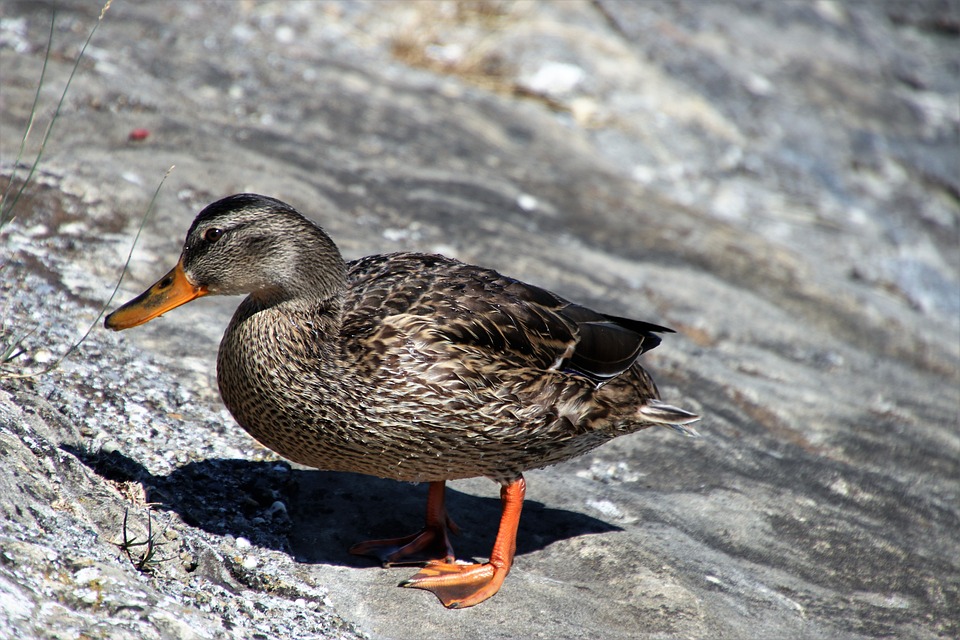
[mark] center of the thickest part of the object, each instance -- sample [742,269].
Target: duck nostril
[165,283]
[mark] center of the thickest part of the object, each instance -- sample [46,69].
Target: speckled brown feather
[437,370]
[406,366]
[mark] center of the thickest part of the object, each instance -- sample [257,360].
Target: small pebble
[526,202]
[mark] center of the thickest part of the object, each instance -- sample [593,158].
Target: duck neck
[323,313]
[294,328]
[310,276]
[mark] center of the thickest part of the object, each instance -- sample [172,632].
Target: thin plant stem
[106,305]
[56,113]
[26,133]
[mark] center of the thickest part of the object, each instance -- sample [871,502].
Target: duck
[408,366]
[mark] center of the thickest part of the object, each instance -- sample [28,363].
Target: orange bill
[171,291]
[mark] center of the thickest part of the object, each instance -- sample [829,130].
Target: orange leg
[431,544]
[464,585]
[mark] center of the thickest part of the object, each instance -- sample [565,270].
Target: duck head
[243,244]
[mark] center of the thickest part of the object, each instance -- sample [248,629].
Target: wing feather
[506,321]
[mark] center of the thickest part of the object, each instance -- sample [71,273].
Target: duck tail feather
[685,430]
[671,416]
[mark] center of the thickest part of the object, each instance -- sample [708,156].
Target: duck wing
[476,312]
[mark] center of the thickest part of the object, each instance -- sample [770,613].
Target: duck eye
[212,235]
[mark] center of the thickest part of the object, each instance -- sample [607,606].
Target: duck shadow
[315,516]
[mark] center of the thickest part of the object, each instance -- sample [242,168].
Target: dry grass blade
[5,209]
[145,561]
[6,213]
[106,305]
[13,349]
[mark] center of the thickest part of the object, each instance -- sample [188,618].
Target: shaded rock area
[778,181]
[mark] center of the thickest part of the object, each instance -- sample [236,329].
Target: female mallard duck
[406,366]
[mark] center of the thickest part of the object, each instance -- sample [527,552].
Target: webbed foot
[430,544]
[459,585]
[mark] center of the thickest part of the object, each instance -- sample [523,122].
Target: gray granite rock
[777,181]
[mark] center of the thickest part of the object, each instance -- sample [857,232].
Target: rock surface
[778,181]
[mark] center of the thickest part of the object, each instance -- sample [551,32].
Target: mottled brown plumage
[406,366]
